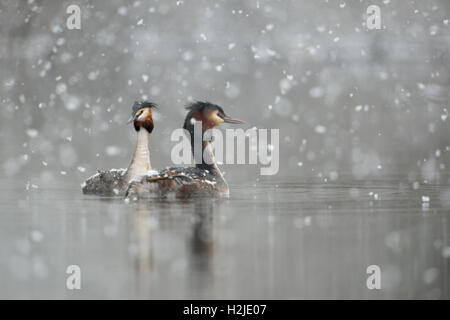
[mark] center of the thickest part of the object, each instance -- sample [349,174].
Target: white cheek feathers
[216,119]
[143,115]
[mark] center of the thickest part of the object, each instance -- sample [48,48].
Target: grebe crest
[114,182]
[205,179]
[141,115]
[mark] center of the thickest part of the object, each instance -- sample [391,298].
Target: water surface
[269,240]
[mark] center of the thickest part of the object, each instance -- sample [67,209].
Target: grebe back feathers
[205,179]
[115,181]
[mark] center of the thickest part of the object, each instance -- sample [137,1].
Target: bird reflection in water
[142,227]
[190,242]
[201,242]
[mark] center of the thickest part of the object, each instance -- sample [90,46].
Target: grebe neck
[140,164]
[208,161]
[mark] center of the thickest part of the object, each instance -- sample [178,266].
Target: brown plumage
[115,181]
[205,179]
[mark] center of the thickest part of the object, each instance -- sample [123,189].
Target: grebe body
[115,182]
[203,180]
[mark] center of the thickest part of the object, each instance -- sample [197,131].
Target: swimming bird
[205,179]
[115,181]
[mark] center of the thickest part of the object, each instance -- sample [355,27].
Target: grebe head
[141,115]
[209,114]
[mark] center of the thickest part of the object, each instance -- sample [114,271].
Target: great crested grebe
[205,179]
[115,181]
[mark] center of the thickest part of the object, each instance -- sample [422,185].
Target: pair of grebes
[140,181]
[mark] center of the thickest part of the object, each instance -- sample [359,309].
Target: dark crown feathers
[138,105]
[199,106]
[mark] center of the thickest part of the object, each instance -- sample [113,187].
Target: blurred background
[348,101]
[352,105]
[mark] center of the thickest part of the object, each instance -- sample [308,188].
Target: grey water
[269,240]
[364,152]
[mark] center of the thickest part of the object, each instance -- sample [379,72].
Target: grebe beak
[227,119]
